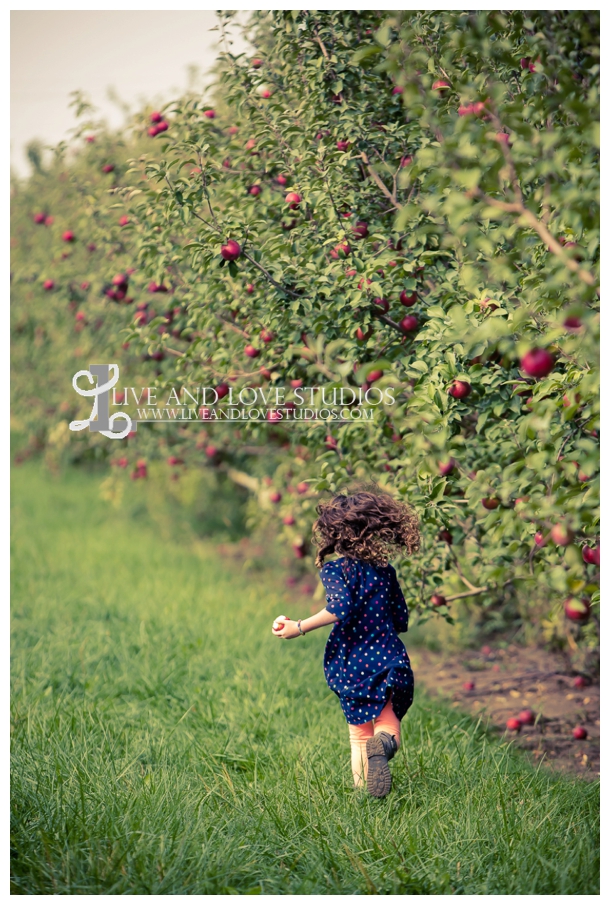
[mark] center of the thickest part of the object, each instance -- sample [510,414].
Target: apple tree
[402,207]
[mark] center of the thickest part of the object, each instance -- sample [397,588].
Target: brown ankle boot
[379,750]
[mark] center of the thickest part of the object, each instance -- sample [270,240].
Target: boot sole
[379,777]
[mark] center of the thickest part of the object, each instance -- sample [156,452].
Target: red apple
[342,145]
[254,190]
[590,555]
[124,220]
[446,468]
[438,600]
[409,323]
[397,89]
[155,117]
[210,114]
[123,462]
[267,336]
[408,298]
[275,496]
[251,352]
[572,323]
[577,610]
[459,389]
[39,218]
[296,383]
[266,93]
[250,288]
[266,374]
[281,179]
[383,304]
[174,460]
[513,724]
[363,335]
[468,686]
[561,535]
[48,285]
[69,236]
[256,63]
[539,539]
[84,285]
[108,168]
[289,519]
[440,85]
[360,230]
[406,161]
[580,682]
[90,139]
[340,250]
[49,221]
[502,138]
[537,363]
[330,442]
[446,535]
[490,502]
[374,375]
[293,199]
[579,733]
[302,487]
[527,717]
[231,251]
[162,126]
[211,451]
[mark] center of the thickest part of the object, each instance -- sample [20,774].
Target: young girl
[365,662]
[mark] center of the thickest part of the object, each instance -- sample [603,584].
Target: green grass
[164,742]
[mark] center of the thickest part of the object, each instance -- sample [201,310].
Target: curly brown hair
[364,525]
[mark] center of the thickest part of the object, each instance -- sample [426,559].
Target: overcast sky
[142,55]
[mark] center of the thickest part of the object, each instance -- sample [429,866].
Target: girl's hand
[288,628]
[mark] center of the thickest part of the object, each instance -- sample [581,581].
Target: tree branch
[379,182]
[387,320]
[231,326]
[294,295]
[473,593]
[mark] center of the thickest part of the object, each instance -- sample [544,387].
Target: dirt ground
[506,681]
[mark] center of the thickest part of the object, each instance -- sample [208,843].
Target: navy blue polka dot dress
[364,657]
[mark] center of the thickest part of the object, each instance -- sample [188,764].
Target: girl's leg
[387,721]
[358,736]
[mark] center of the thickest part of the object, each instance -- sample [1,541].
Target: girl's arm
[291,630]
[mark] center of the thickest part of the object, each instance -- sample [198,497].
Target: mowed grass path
[164,742]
